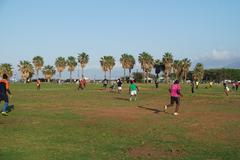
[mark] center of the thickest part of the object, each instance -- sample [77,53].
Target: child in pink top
[175,96]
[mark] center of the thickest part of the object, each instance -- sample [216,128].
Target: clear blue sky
[205,30]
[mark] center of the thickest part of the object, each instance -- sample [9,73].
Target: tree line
[170,67]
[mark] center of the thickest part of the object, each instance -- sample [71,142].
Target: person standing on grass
[119,84]
[197,83]
[80,84]
[133,90]
[175,93]
[112,86]
[236,84]
[38,84]
[4,94]
[226,89]
[210,84]
[192,86]
[105,82]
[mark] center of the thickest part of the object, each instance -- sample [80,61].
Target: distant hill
[234,65]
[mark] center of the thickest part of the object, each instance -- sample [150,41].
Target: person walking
[38,84]
[192,86]
[4,94]
[226,88]
[175,93]
[119,84]
[197,83]
[236,84]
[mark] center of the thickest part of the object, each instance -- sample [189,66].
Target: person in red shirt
[4,93]
[174,96]
[38,84]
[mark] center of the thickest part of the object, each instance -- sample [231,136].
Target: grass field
[59,122]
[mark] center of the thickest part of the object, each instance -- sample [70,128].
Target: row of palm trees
[27,68]
[167,65]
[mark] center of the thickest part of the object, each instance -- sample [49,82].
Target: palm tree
[123,61]
[71,63]
[177,68]
[130,64]
[49,71]
[60,64]
[167,61]
[26,69]
[38,64]
[6,68]
[127,62]
[110,65]
[104,65]
[83,59]
[158,65]
[186,65]
[147,62]
[198,72]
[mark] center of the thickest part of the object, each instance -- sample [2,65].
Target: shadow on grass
[152,109]
[121,98]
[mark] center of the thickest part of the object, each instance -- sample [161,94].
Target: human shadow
[151,109]
[121,98]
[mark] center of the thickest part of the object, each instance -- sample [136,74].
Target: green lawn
[59,122]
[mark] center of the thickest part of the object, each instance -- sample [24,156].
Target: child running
[4,93]
[133,90]
[175,97]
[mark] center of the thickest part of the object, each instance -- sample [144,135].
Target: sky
[205,31]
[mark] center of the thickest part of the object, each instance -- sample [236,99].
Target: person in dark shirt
[4,94]
[119,84]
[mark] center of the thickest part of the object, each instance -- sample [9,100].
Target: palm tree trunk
[129,73]
[124,72]
[105,76]
[60,76]
[70,76]
[82,73]
[185,77]
[165,76]
[147,76]
[79,71]
[110,75]
[37,74]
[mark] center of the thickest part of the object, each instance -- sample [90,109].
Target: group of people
[133,91]
[133,88]
[174,90]
[113,85]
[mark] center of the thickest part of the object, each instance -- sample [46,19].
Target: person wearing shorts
[174,96]
[210,84]
[38,84]
[105,82]
[119,84]
[133,90]
[226,88]
[4,93]
[197,83]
